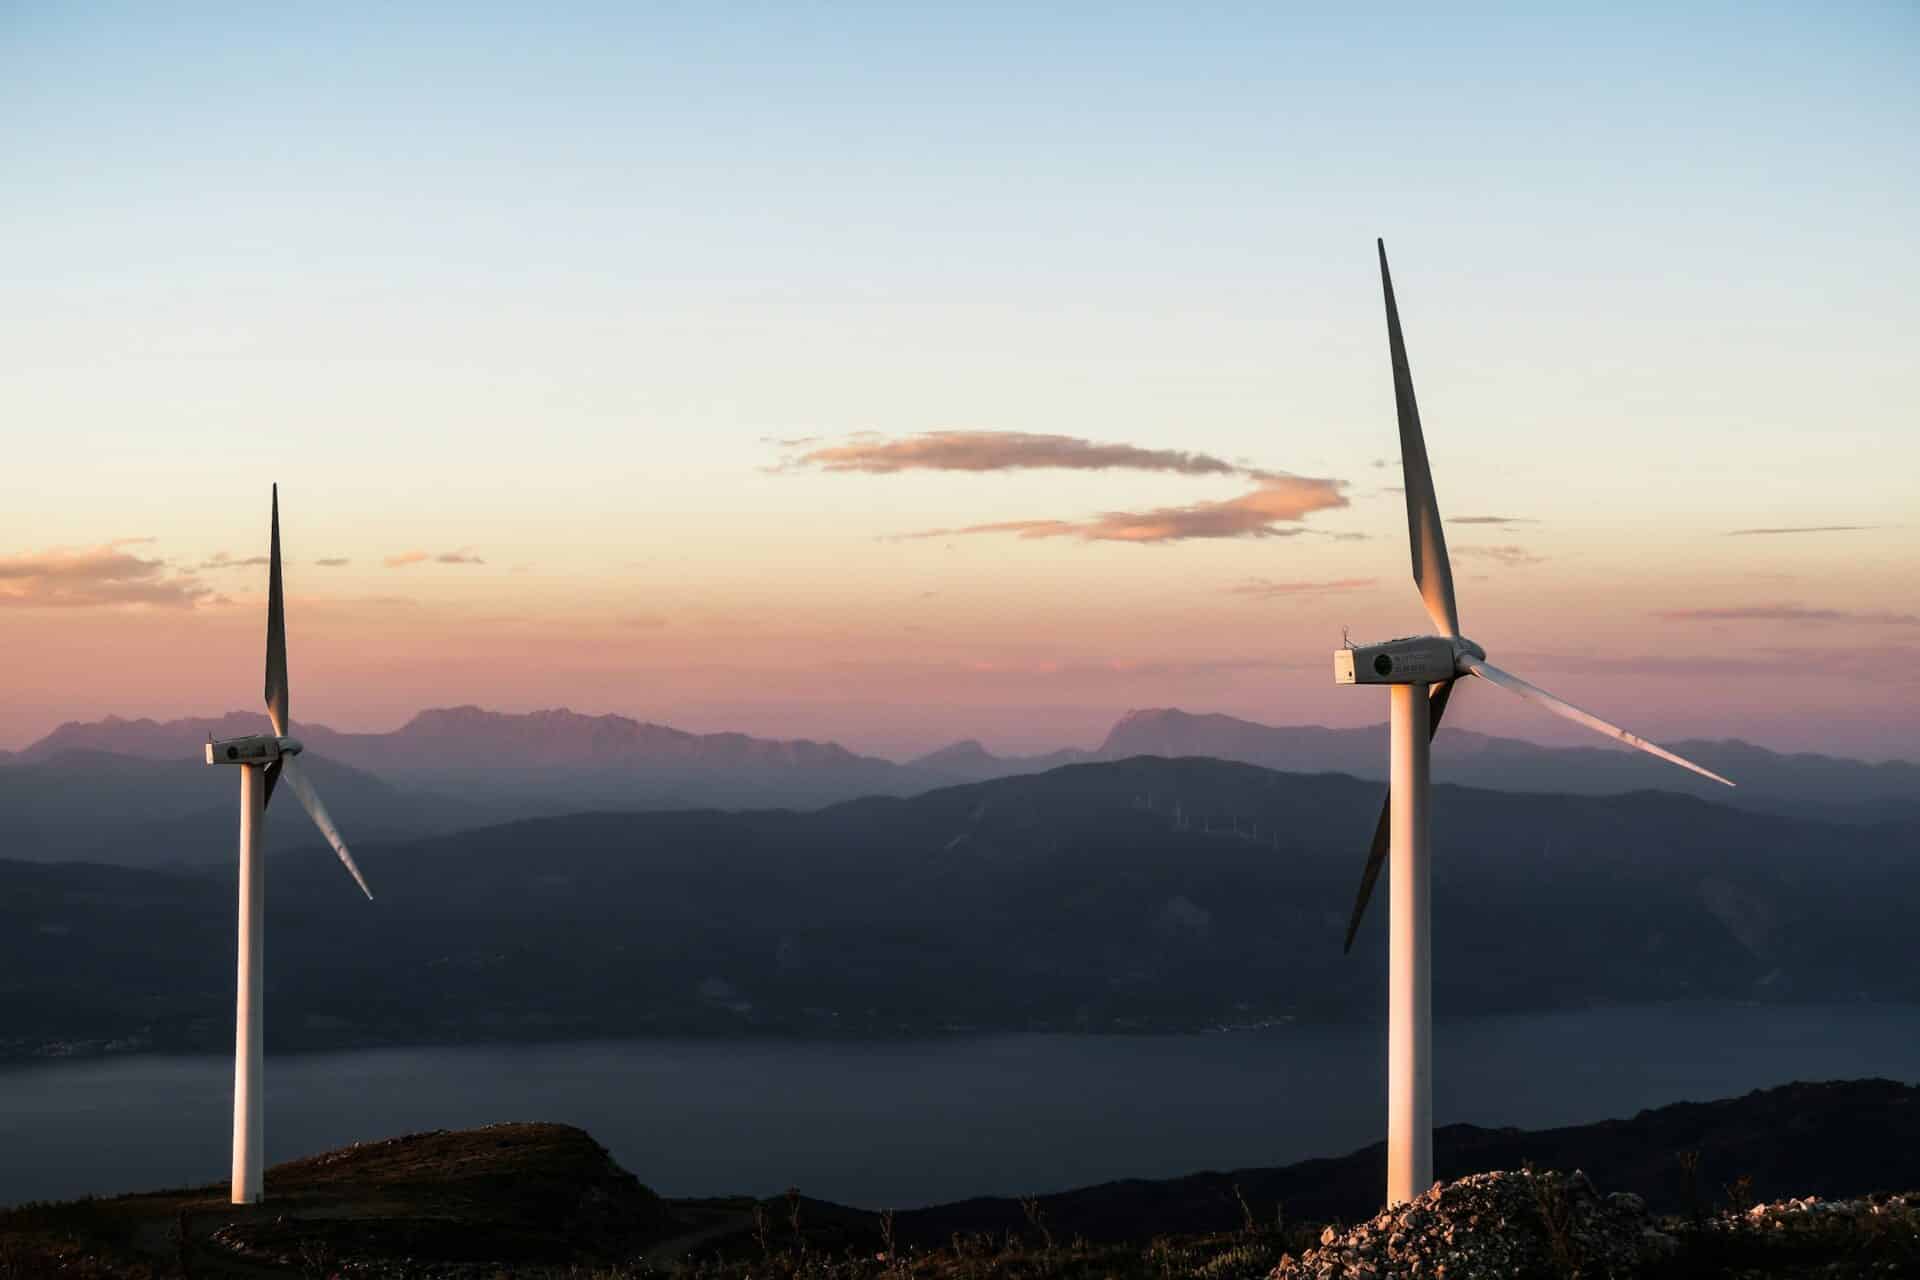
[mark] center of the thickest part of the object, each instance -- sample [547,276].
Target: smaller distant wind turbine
[1421,671]
[263,759]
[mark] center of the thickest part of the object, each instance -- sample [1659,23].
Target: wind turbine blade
[273,775]
[276,631]
[1560,707]
[1382,830]
[1432,571]
[310,801]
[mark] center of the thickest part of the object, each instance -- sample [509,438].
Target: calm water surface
[921,1122]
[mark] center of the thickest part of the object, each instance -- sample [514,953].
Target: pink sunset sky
[880,389]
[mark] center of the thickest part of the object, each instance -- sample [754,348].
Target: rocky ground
[542,1202]
[1493,1226]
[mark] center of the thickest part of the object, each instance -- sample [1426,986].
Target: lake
[920,1122]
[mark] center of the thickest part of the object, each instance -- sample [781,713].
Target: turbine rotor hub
[1463,649]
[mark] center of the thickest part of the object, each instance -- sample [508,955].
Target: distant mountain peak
[967,751]
[1171,731]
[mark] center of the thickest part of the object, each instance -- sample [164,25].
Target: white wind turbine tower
[1420,672]
[263,759]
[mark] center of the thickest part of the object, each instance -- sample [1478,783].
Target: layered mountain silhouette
[1805,784]
[1138,894]
[970,761]
[456,740]
[444,769]
[465,766]
[151,812]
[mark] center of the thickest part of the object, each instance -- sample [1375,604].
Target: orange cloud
[1805,528]
[66,578]
[463,556]
[1008,451]
[222,560]
[1507,554]
[1790,613]
[1266,589]
[1279,500]
[1499,520]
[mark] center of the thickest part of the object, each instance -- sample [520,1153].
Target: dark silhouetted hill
[1834,1140]
[1801,784]
[545,1200]
[84,804]
[1136,895]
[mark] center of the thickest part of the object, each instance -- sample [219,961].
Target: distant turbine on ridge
[1421,671]
[264,759]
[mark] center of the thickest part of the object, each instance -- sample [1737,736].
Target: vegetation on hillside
[545,1202]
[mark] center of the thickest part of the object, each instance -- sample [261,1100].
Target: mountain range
[1803,784]
[1828,1138]
[555,758]
[1143,894]
[134,792]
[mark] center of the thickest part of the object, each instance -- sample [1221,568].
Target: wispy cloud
[1804,528]
[404,558]
[1009,451]
[65,577]
[222,560]
[1507,554]
[333,562]
[1266,589]
[1790,613]
[1845,662]
[1280,500]
[1498,520]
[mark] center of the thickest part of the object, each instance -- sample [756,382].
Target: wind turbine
[1420,672]
[264,759]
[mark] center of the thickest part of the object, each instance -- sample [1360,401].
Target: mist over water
[919,1122]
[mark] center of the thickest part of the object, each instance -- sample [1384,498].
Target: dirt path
[157,1240]
[722,1223]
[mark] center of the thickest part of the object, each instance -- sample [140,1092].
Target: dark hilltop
[1803,1180]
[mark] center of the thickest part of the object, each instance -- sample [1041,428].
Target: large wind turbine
[1421,671]
[263,759]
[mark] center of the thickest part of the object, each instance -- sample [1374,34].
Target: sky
[896,375]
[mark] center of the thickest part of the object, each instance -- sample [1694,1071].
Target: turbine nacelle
[258,748]
[1408,660]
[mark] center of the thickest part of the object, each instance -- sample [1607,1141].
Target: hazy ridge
[134,791]
[1138,894]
